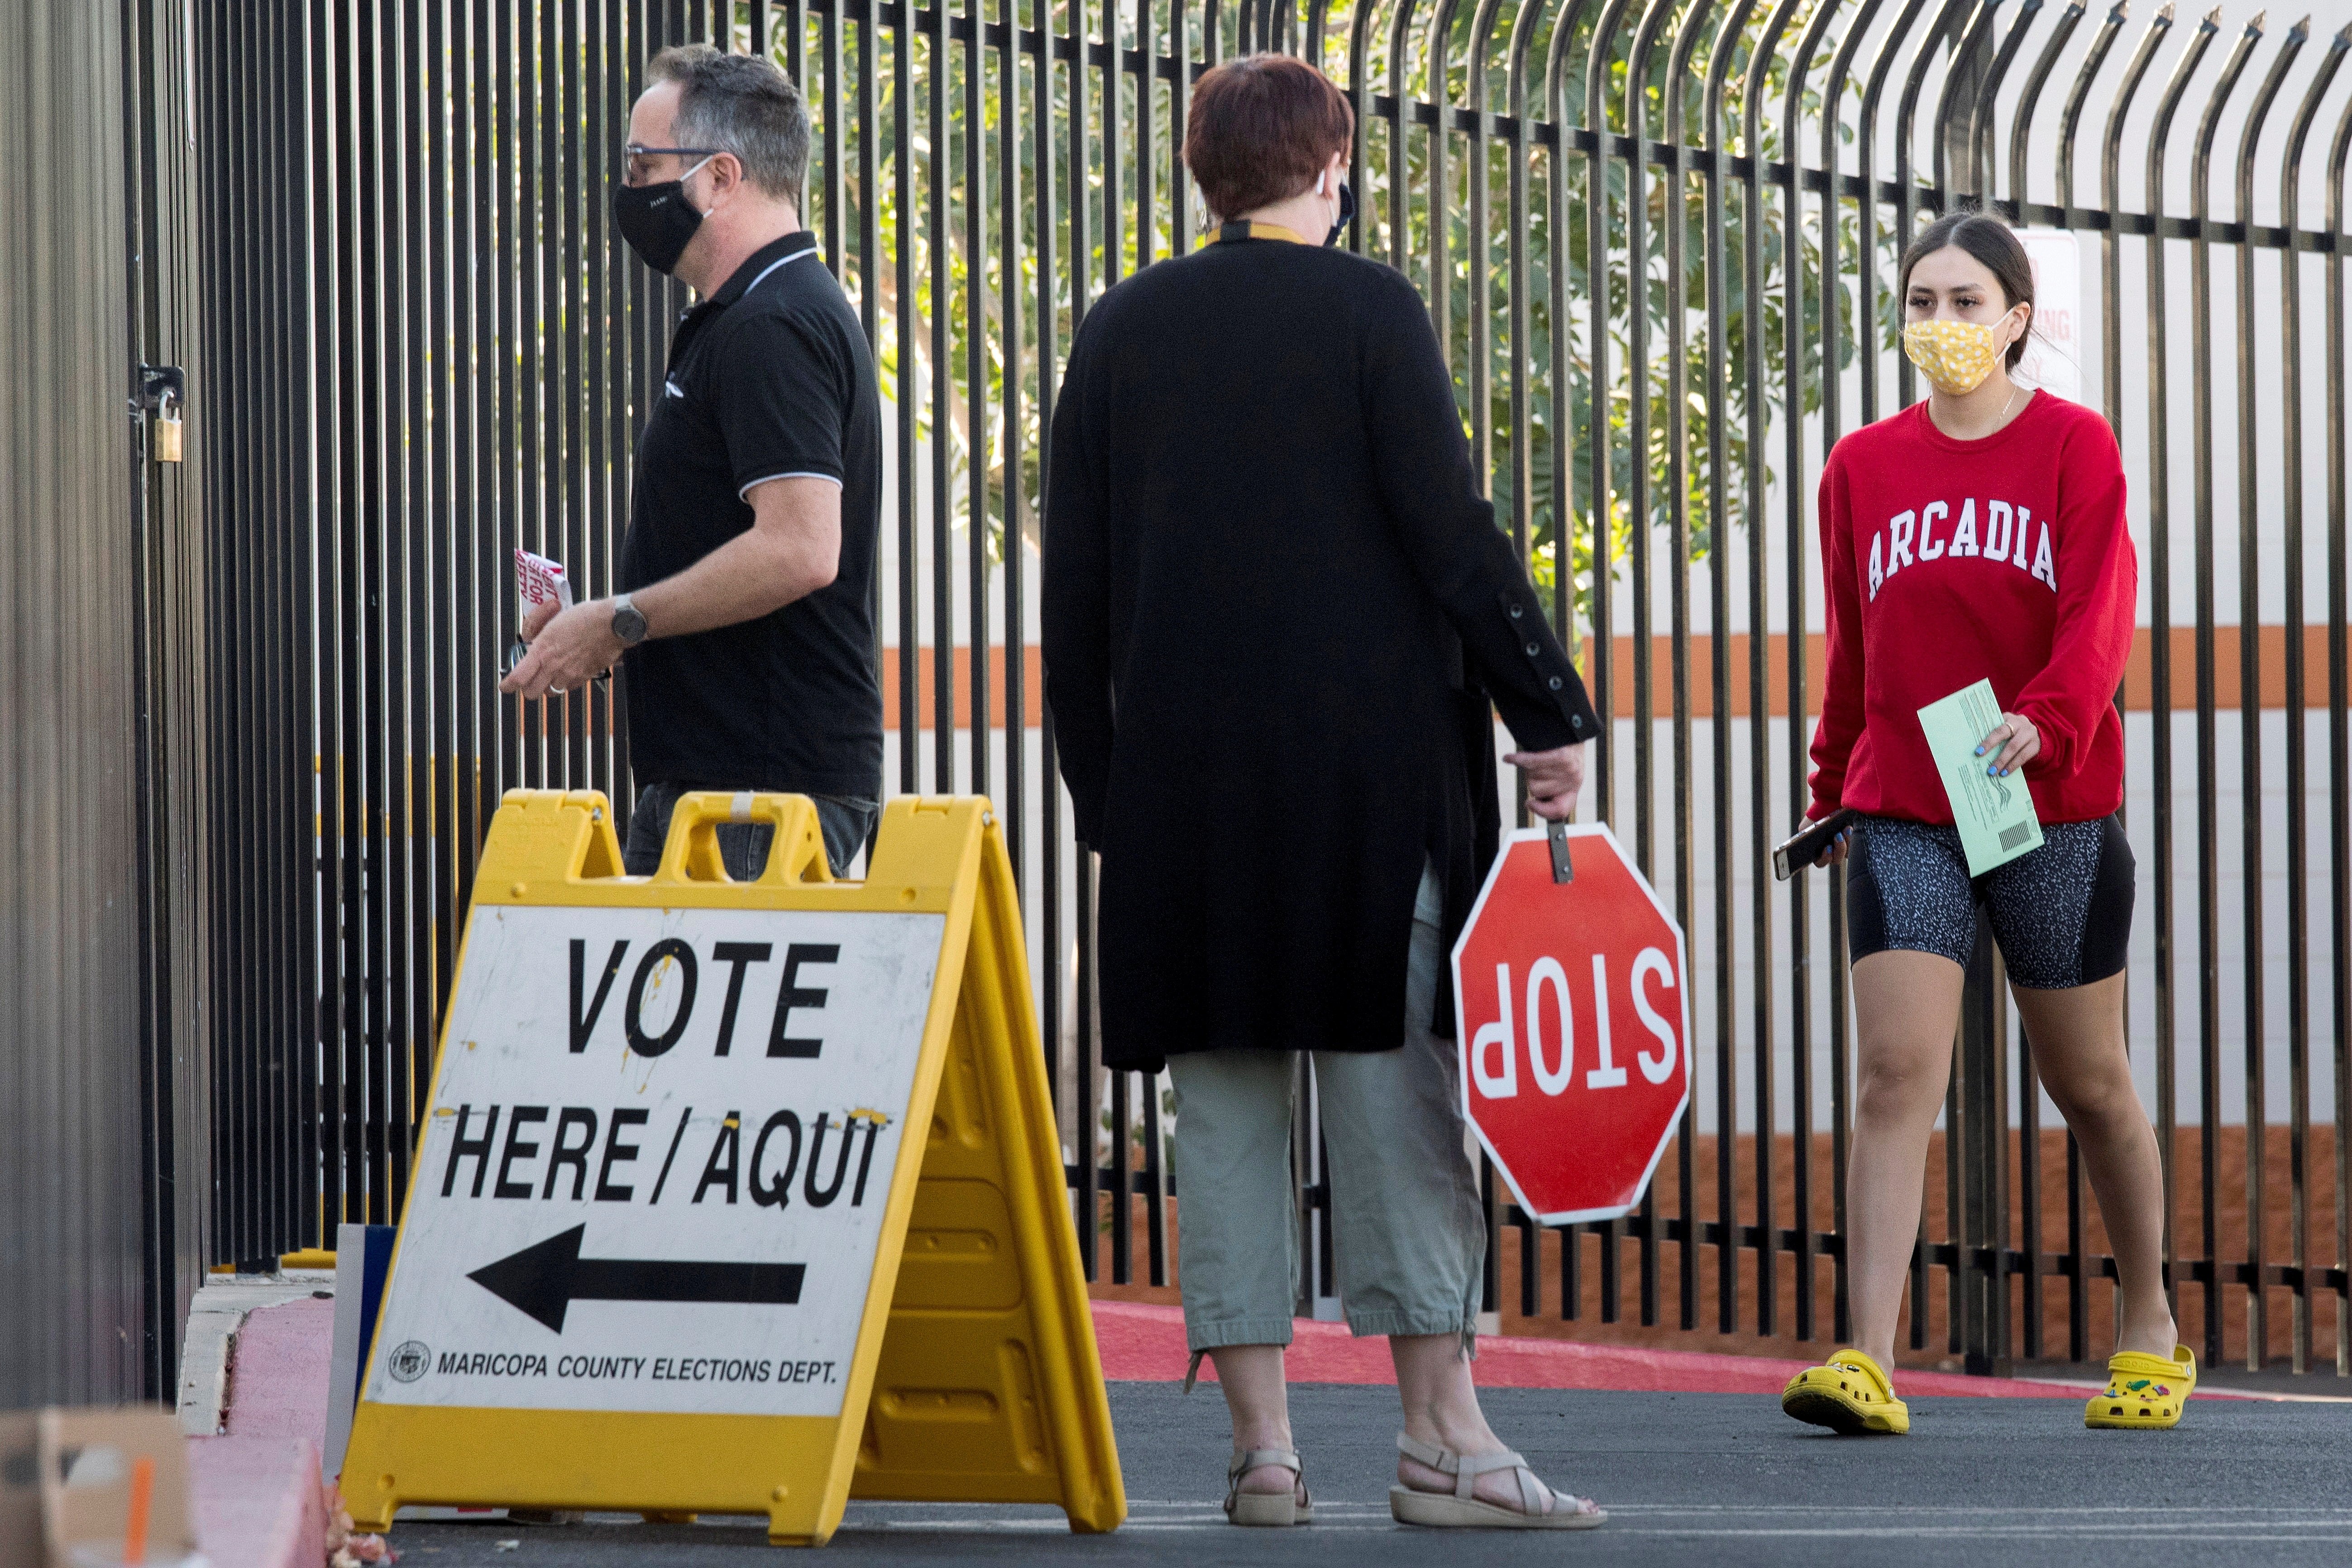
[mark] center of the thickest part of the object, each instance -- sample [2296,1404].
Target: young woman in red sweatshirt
[1980,534]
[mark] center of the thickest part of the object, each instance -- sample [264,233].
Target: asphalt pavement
[1687,1478]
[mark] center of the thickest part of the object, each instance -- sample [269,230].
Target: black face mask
[656,220]
[1346,215]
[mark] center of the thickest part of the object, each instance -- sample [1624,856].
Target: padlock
[169,432]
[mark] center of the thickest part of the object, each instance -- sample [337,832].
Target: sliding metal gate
[425,348]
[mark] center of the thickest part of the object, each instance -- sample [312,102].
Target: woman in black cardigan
[1276,608]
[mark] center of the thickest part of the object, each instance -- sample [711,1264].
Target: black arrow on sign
[544,1279]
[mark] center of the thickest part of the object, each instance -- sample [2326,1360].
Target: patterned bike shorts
[2062,914]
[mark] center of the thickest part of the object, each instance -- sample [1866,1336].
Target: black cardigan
[1274,606]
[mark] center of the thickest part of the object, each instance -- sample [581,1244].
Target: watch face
[629,626]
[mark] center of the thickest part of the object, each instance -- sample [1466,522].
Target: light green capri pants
[1407,1225]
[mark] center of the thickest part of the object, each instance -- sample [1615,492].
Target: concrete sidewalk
[1689,1451]
[1687,1478]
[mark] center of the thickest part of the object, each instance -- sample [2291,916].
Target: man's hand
[567,651]
[1554,779]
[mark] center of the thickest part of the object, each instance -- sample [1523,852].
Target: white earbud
[1320,180]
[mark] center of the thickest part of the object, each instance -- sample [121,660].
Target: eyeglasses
[640,158]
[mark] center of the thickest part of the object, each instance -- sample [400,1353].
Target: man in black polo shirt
[743,632]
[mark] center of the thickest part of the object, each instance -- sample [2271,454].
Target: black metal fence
[1656,240]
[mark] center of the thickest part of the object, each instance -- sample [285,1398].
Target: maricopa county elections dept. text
[661,1138]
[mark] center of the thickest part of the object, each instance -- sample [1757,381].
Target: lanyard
[1255,231]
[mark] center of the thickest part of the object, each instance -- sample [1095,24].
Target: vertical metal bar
[360,593]
[1400,181]
[1086,1105]
[2339,742]
[1981,130]
[2209,908]
[903,234]
[938,67]
[1867,309]
[977,330]
[1600,437]
[2029,97]
[2028,1190]
[1793,458]
[870,276]
[1639,283]
[1010,299]
[1118,1175]
[837,108]
[1180,203]
[2111,391]
[1147,170]
[1478,246]
[1760,835]
[2093,59]
[2297,699]
[1601,517]
[1561,261]
[1085,1108]
[1121,1131]
[2249,708]
[436,375]
[1357,99]
[1718,514]
[1832,391]
[1980,1133]
[1522,328]
[1906,188]
[2159,532]
[1440,204]
[1963,72]
[1049,790]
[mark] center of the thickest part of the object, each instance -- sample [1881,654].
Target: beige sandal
[1460,1510]
[1289,1506]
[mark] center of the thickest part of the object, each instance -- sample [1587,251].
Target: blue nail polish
[1992,770]
[1980,751]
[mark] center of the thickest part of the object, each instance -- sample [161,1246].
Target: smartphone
[1806,846]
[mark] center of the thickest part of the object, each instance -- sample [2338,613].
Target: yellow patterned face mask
[1956,356]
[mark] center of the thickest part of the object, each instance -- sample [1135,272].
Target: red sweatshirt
[1949,562]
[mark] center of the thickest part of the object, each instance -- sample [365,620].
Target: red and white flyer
[539,580]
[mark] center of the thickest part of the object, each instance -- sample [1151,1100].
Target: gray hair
[741,104]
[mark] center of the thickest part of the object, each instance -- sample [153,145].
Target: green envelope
[1995,815]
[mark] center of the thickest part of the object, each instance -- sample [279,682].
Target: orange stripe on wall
[2228,690]
[2183,643]
[1702,674]
[1033,666]
[2137,685]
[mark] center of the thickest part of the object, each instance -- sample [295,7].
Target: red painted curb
[1146,1343]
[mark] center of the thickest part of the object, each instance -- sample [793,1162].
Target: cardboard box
[85,1460]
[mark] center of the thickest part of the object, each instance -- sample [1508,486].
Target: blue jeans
[744,846]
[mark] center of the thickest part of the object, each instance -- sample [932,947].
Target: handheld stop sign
[1571,1005]
[737,1198]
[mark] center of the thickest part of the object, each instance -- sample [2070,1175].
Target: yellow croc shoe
[2145,1392]
[1850,1394]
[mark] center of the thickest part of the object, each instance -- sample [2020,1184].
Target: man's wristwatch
[628,622]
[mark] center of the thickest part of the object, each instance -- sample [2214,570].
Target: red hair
[1261,128]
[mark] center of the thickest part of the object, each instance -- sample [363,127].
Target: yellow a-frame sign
[668,1247]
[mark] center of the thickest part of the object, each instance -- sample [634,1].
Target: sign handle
[691,853]
[1563,870]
